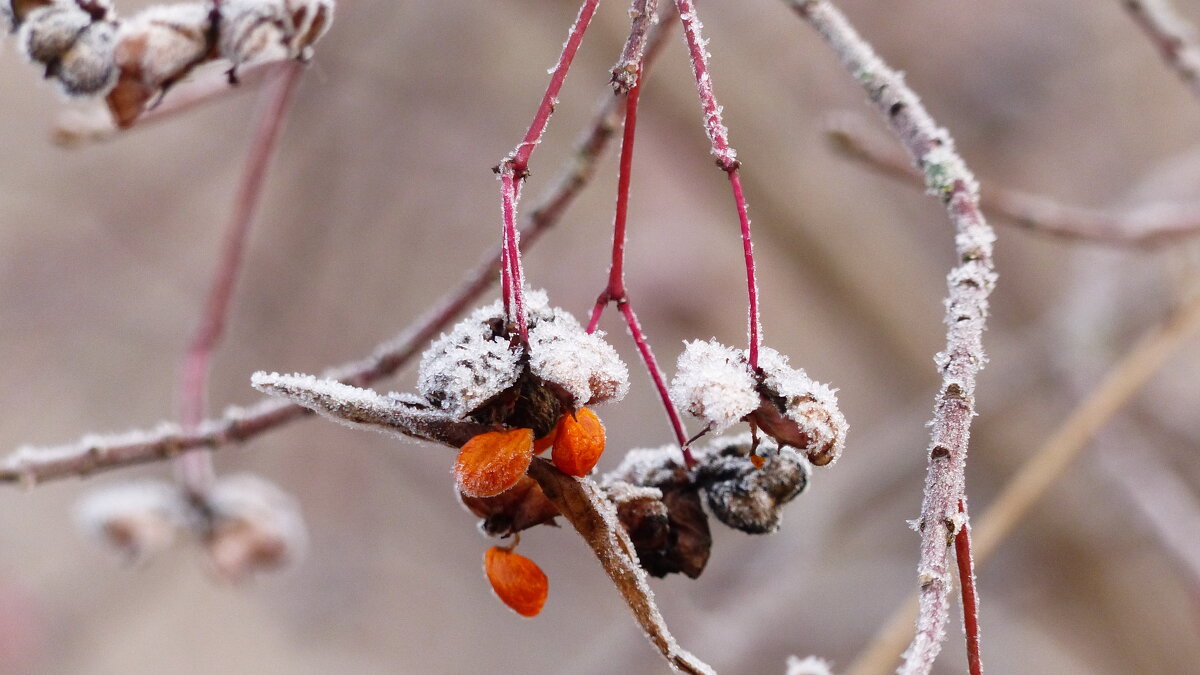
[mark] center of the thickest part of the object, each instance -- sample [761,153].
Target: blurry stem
[1048,464]
[584,505]
[195,469]
[30,466]
[970,601]
[515,168]
[726,159]
[1149,227]
[1174,37]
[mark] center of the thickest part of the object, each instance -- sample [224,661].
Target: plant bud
[256,527]
[136,520]
[155,49]
[272,30]
[48,32]
[87,68]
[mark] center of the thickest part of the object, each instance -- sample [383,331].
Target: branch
[970,283]
[1174,37]
[29,466]
[1049,463]
[583,504]
[195,469]
[1151,226]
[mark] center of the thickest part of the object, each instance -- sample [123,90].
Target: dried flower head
[578,442]
[136,520]
[747,495]
[255,527]
[517,580]
[271,30]
[716,384]
[74,40]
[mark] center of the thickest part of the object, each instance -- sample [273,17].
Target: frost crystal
[560,351]
[809,665]
[713,383]
[812,406]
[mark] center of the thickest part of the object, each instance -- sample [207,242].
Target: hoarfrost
[809,665]
[585,365]
[713,383]
[256,527]
[134,519]
[472,363]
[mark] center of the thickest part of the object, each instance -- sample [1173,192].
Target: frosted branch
[584,505]
[1150,226]
[1049,463]
[1174,37]
[970,283]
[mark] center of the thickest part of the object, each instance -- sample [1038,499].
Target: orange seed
[579,442]
[543,444]
[517,580]
[492,462]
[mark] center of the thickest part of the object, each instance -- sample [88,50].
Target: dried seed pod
[255,527]
[517,580]
[747,497]
[493,462]
[519,508]
[578,443]
[270,30]
[155,49]
[48,32]
[713,383]
[15,12]
[134,519]
[88,69]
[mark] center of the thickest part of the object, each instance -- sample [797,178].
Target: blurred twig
[91,454]
[1149,227]
[1174,37]
[1048,464]
[970,283]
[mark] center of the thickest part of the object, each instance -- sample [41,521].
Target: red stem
[615,290]
[515,168]
[966,577]
[726,159]
[195,469]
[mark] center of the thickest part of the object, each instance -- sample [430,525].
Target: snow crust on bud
[87,68]
[48,32]
[270,30]
[713,383]
[135,520]
[256,527]
[811,406]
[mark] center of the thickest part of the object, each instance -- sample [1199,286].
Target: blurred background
[381,197]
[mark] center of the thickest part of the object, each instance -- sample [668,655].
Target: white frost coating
[562,352]
[809,665]
[714,383]
[135,519]
[646,466]
[469,365]
[26,455]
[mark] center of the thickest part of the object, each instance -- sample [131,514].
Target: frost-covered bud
[87,68]
[272,30]
[48,32]
[744,496]
[713,383]
[134,519]
[14,12]
[155,49]
[716,384]
[479,369]
[256,527]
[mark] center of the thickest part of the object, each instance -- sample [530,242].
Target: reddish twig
[726,159]
[630,67]
[515,168]
[1150,227]
[195,469]
[970,283]
[970,601]
[1174,37]
[93,454]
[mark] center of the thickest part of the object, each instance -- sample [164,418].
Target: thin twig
[584,505]
[726,156]
[75,128]
[643,15]
[30,466]
[195,469]
[970,599]
[1048,464]
[514,168]
[1149,227]
[615,291]
[970,284]
[1174,37]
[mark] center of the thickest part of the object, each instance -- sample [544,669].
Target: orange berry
[579,442]
[517,580]
[492,462]
[543,444]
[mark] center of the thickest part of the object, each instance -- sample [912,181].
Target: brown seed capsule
[517,580]
[492,462]
[87,68]
[578,443]
[49,32]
